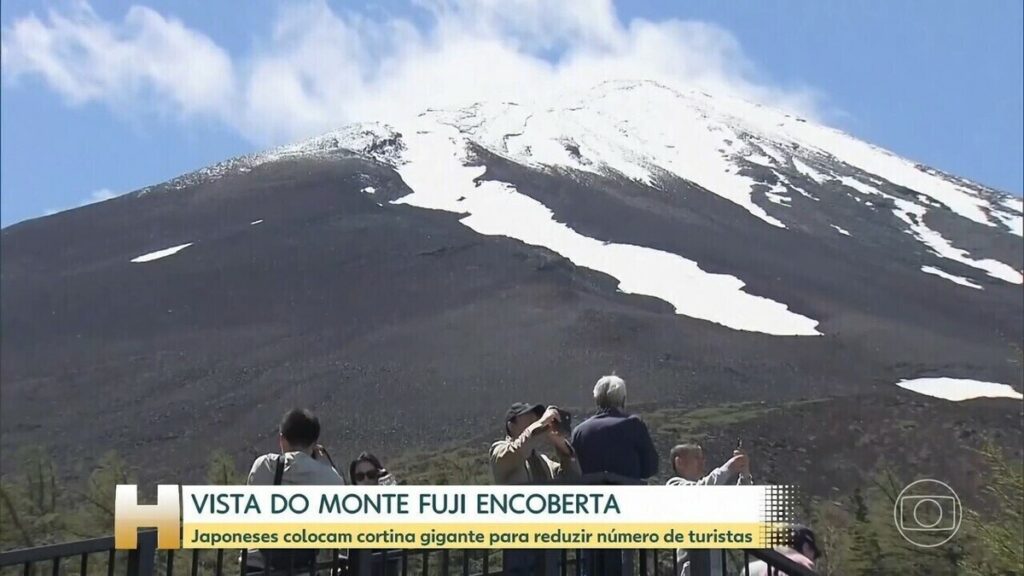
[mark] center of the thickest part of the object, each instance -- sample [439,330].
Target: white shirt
[720,476]
[299,469]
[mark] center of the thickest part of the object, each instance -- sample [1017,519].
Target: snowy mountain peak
[640,129]
[790,175]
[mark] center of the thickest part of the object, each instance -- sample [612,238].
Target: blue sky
[96,100]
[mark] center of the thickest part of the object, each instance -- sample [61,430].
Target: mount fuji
[409,279]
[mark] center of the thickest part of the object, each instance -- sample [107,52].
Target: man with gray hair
[611,440]
[616,442]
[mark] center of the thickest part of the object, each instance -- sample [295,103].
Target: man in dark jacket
[616,442]
[613,441]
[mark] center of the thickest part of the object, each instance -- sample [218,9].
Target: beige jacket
[299,469]
[516,460]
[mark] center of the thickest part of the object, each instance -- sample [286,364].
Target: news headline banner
[483,516]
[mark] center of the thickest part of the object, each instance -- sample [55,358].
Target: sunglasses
[371,475]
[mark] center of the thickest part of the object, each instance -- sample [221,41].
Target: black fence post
[700,562]
[142,560]
[549,562]
[359,562]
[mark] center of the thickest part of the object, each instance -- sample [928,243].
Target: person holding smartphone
[516,460]
[689,465]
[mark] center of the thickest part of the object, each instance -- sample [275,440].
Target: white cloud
[99,196]
[147,58]
[322,68]
[94,197]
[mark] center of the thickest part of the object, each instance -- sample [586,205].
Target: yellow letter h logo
[165,516]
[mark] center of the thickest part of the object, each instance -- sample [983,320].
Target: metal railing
[97,557]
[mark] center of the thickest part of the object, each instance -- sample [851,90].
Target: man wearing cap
[515,459]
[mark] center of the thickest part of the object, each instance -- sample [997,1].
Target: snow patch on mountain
[809,172]
[436,166]
[862,187]
[959,389]
[913,215]
[1011,217]
[161,253]
[968,200]
[778,158]
[951,277]
[777,194]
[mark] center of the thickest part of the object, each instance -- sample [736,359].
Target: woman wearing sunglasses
[366,470]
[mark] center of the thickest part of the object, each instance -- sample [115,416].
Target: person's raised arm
[509,454]
[743,477]
[726,472]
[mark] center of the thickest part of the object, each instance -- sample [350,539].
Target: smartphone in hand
[564,424]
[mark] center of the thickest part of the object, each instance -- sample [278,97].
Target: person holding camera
[515,460]
[303,462]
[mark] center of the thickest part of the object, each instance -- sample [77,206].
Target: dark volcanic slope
[404,327]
